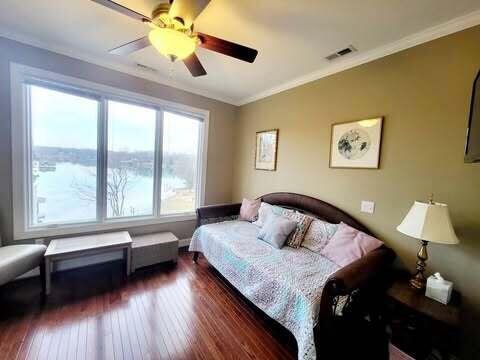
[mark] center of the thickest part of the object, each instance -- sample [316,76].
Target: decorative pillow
[303,223]
[318,235]
[349,244]
[266,210]
[249,209]
[276,229]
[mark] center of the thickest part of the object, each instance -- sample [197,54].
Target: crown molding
[429,34]
[127,69]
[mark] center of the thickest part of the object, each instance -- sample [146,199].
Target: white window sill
[116,224]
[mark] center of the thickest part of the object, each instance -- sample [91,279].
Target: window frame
[20,75]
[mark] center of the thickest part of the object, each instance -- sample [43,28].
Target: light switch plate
[367,207]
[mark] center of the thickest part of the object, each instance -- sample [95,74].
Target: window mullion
[30,206]
[199,167]
[102,149]
[157,187]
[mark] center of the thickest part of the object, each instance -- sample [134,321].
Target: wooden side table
[422,327]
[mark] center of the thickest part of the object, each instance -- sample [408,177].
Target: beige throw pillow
[249,210]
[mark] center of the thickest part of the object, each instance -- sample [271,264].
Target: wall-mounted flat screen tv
[472,147]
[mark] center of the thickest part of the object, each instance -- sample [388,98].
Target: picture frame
[266,147]
[356,144]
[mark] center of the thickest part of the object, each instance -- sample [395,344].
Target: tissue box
[439,289]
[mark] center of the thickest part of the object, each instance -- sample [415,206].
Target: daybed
[297,287]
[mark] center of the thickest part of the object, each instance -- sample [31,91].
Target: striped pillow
[318,235]
[303,223]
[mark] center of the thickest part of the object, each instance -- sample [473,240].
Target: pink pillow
[249,209]
[349,244]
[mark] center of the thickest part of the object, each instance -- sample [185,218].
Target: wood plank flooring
[183,311]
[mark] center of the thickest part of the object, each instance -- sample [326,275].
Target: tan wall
[424,94]
[222,117]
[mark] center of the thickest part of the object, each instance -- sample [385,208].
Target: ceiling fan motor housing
[161,17]
[160,10]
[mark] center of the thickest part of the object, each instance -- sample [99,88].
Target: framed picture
[356,144]
[266,150]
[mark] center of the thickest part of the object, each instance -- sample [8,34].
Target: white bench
[68,248]
[154,248]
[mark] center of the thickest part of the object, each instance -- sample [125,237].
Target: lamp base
[418,281]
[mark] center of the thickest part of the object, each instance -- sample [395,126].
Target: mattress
[285,283]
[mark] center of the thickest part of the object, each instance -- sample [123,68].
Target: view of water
[66,192]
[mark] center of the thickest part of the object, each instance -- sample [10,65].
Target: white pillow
[318,235]
[276,229]
[266,210]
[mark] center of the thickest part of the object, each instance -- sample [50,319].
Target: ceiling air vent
[340,53]
[145,67]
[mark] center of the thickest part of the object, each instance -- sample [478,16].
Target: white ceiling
[292,37]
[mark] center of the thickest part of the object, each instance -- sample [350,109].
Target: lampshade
[430,222]
[173,43]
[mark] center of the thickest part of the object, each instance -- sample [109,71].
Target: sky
[65,120]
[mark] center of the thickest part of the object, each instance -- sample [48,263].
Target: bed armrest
[363,272]
[216,213]
[369,274]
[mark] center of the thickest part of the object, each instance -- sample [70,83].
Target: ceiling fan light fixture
[174,44]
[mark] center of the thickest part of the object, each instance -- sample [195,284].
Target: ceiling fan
[172,34]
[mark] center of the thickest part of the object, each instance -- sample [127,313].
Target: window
[64,156]
[88,157]
[179,164]
[130,159]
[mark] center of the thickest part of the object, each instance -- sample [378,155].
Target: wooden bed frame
[366,277]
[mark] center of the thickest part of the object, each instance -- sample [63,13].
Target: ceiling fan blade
[194,66]
[130,47]
[123,10]
[228,48]
[188,10]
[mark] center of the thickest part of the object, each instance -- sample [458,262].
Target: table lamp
[428,222]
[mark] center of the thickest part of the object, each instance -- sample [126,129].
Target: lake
[67,192]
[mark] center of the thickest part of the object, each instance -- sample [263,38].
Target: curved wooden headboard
[313,206]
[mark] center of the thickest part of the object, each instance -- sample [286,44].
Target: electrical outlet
[367,207]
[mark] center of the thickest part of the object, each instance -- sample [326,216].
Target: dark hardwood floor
[183,311]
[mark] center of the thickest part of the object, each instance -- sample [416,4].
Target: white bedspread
[286,284]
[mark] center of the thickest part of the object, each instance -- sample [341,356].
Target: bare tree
[118,182]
